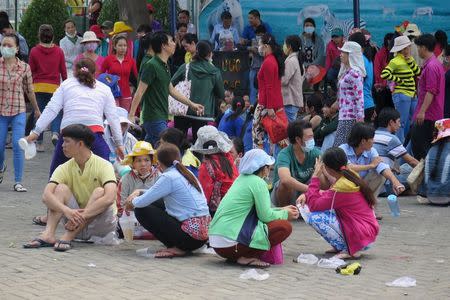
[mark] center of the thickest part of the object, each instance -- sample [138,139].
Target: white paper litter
[108,240]
[253,274]
[331,263]
[402,282]
[309,259]
[91,265]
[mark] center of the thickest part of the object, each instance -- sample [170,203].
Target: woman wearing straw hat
[350,90]
[120,28]
[90,43]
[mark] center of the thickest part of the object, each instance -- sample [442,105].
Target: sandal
[38,221]
[37,243]
[255,263]
[2,172]
[66,245]
[18,187]
[168,254]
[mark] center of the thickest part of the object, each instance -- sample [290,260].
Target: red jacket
[269,84]
[380,62]
[332,53]
[47,65]
[111,65]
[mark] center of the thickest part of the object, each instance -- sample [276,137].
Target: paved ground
[415,244]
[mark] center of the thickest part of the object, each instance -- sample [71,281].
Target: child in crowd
[344,214]
[325,133]
[314,109]
[233,120]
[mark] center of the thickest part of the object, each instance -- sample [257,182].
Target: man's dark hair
[260,29]
[186,12]
[255,13]
[79,132]
[226,15]
[295,129]
[359,132]
[145,28]
[386,115]
[179,25]
[238,144]
[69,21]
[46,34]
[427,40]
[159,39]
[315,101]
[190,38]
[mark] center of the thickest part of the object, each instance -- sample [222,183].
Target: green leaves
[109,12]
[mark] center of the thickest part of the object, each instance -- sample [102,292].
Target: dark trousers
[421,138]
[279,230]
[184,123]
[166,228]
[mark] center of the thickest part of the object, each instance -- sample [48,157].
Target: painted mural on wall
[286,17]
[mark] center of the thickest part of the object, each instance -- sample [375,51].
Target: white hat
[412,30]
[351,47]
[89,36]
[123,116]
[210,133]
[400,43]
[254,160]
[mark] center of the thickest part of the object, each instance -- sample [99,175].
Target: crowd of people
[146,127]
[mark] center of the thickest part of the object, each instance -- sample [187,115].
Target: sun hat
[89,36]
[139,149]
[97,30]
[315,73]
[123,116]
[107,25]
[210,133]
[351,47]
[254,160]
[120,27]
[443,127]
[400,43]
[28,148]
[412,29]
[337,32]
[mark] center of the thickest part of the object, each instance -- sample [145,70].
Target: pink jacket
[357,219]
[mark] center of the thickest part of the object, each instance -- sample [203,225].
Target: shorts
[273,194]
[102,224]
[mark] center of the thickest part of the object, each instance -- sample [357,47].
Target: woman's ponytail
[85,72]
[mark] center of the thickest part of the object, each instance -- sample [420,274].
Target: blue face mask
[309,145]
[8,52]
[309,29]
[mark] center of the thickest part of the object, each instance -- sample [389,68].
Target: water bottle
[393,205]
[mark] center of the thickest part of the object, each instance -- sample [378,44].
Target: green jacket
[326,127]
[243,213]
[206,85]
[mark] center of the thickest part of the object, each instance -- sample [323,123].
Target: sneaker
[55,138]
[40,147]
[422,200]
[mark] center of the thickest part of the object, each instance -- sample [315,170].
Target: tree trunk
[133,12]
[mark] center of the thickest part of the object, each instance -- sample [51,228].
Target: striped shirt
[402,71]
[388,146]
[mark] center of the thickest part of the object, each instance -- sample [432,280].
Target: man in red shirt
[332,62]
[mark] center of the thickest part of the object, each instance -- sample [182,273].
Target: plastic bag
[402,282]
[145,252]
[309,259]
[276,128]
[108,240]
[331,263]
[253,274]
[136,230]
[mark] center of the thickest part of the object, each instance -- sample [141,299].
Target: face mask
[309,29]
[91,47]
[8,52]
[71,35]
[285,49]
[309,145]
[261,50]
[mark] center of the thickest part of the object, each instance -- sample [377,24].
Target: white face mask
[309,145]
[261,50]
[71,35]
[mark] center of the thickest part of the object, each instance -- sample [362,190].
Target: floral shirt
[351,96]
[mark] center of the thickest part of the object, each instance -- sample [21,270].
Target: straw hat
[400,43]
[120,27]
[139,149]
[211,134]
[443,127]
[89,36]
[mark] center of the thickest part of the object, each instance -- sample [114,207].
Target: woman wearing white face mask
[313,45]
[90,44]
[70,45]
[16,81]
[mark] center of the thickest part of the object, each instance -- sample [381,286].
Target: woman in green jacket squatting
[245,225]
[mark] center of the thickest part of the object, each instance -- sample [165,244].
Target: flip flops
[38,221]
[37,243]
[64,248]
[168,254]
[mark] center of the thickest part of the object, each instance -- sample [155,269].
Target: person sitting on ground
[182,226]
[295,164]
[217,171]
[325,133]
[143,176]
[245,225]
[314,109]
[237,151]
[343,215]
[364,159]
[233,120]
[86,206]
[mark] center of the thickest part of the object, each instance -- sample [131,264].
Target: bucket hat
[210,134]
[400,43]
[139,149]
[89,36]
[120,27]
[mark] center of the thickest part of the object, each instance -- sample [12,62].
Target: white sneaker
[422,200]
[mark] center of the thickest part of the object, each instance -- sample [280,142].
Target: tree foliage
[43,12]
[109,12]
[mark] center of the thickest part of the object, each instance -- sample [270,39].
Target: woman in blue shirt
[182,223]
[233,120]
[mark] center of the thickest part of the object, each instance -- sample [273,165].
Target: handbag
[276,128]
[176,108]
[416,176]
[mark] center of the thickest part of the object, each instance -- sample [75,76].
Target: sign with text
[235,67]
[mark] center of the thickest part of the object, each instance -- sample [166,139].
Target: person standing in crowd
[102,49]
[292,80]
[332,60]
[245,225]
[154,25]
[48,68]
[256,62]
[402,70]
[181,224]
[382,94]
[154,88]
[232,122]
[295,164]
[206,88]
[180,53]
[313,47]
[142,30]
[71,45]
[90,43]
[94,9]
[145,52]
[441,42]
[412,32]
[224,36]
[189,43]
[350,90]
[254,21]
[184,17]
[447,83]
[16,82]
[7,28]
[430,105]
[122,65]
[270,99]
[121,29]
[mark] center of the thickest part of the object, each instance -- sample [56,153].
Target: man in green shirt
[154,88]
[295,164]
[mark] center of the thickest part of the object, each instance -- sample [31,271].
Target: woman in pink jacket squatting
[343,215]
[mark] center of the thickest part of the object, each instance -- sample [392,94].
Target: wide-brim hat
[412,29]
[139,149]
[210,133]
[254,160]
[89,36]
[123,116]
[351,47]
[315,73]
[443,127]
[98,31]
[400,43]
[120,27]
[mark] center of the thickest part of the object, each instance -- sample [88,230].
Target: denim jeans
[42,100]
[253,90]
[405,106]
[17,123]
[291,112]
[153,130]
